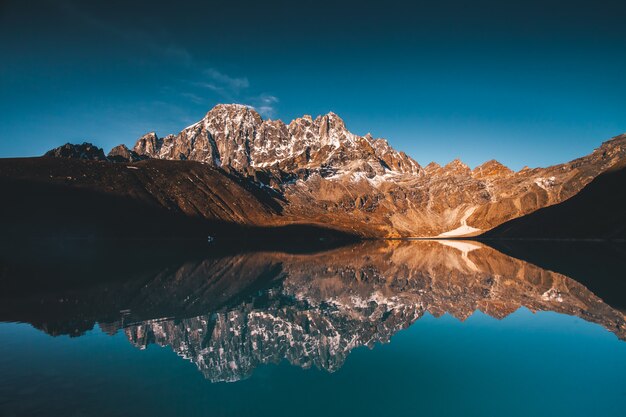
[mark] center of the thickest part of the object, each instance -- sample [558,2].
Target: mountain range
[331,303]
[235,169]
[229,314]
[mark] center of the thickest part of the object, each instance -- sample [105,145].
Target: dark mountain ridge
[598,211]
[77,198]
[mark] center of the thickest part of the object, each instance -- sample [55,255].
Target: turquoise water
[526,364]
[319,341]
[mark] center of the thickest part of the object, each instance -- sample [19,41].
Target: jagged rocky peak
[491,168]
[233,115]
[227,134]
[613,148]
[300,125]
[148,145]
[85,150]
[456,167]
[236,136]
[432,167]
[330,124]
[393,160]
[121,153]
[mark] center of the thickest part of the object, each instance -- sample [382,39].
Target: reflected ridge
[317,308]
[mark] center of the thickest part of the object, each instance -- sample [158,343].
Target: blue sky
[527,83]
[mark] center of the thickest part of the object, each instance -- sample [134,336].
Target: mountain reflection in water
[230,314]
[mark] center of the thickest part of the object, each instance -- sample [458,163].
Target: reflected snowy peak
[319,307]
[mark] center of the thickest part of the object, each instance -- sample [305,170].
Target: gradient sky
[528,83]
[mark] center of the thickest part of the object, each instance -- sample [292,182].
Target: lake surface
[405,328]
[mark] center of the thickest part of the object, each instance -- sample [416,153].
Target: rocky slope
[58,197]
[598,211]
[328,175]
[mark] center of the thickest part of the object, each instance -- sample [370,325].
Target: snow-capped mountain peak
[236,135]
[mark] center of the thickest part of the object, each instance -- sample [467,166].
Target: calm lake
[399,328]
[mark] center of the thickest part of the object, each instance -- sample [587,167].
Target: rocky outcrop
[491,169]
[148,145]
[122,154]
[75,151]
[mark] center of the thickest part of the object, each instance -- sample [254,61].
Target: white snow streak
[463,229]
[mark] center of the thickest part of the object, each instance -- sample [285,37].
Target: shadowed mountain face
[316,172]
[598,211]
[55,197]
[230,314]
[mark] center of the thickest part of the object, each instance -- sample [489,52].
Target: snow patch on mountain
[545,183]
[464,229]
[236,136]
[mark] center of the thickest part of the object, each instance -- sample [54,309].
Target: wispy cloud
[201,78]
[194,98]
[232,83]
[265,104]
[234,90]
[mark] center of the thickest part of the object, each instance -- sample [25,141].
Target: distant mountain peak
[332,119]
[86,150]
[236,135]
[457,166]
[233,110]
[121,153]
[491,168]
[148,145]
